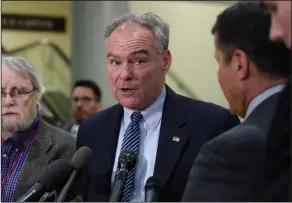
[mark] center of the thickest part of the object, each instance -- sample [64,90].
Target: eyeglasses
[83,99]
[16,93]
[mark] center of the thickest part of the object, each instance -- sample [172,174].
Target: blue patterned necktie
[131,141]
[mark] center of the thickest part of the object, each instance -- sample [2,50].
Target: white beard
[13,125]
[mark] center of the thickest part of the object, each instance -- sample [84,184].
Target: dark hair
[91,85]
[246,26]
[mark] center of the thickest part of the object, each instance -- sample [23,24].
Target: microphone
[80,160]
[127,161]
[151,190]
[53,177]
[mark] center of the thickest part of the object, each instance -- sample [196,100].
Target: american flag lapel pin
[175,139]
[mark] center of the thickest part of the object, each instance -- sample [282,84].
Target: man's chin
[14,125]
[12,128]
[130,103]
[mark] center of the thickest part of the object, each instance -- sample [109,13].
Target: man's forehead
[16,84]
[129,31]
[14,72]
[14,76]
[83,91]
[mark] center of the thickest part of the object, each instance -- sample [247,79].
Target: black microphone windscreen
[151,183]
[55,174]
[127,159]
[81,158]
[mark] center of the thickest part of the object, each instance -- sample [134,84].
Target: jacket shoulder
[209,106]
[62,140]
[102,115]
[242,140]
[206,110]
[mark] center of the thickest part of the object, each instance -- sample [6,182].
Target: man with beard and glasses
[28,143]
[86,101]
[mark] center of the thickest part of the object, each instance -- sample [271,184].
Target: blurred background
[64,40]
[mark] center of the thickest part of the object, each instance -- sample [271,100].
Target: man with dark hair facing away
[253,72]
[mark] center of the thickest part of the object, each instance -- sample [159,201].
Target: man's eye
[115,63]
[18,92]
[140,61]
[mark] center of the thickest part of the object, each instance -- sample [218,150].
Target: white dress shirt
[149,134]
[74,130]
[262,97]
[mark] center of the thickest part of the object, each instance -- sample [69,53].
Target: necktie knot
[136,117]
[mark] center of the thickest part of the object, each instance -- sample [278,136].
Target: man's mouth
[127,89]
[8,114]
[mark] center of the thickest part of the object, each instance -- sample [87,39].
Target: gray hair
[151,21]
[21,64]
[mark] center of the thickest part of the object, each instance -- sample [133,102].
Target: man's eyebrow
[140,51]
[110,54]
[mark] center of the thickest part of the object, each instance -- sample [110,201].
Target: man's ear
[167,61]
[240,63]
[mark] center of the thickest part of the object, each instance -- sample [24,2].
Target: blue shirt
[149,135]
[13,148]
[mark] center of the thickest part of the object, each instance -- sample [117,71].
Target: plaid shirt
[11,149]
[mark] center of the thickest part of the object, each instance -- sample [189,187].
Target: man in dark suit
[279,138]
[252,73]
[164,129]
[28,143]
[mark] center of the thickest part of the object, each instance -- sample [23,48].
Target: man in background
[28,143]
[252,72]
[86,101]
[279,139]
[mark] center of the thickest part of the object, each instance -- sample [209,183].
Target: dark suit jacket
[278,164]
[231,166]
[49,144]
[193,121]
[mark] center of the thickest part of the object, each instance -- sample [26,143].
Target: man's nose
[7,100]
[276,32]
[126,72]
[79,102]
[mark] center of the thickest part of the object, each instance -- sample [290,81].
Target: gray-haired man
[164,129]
[28,143]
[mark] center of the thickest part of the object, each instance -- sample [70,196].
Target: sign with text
[33,23]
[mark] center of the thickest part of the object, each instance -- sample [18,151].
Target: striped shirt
[13,154]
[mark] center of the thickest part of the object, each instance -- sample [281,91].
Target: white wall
[191,42]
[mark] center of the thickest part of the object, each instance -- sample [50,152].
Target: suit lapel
[108,146]
[37,158]
[106,150]
[172,139]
